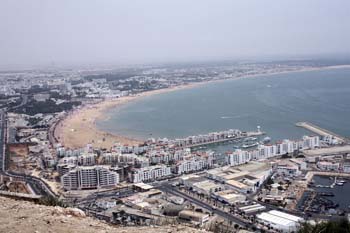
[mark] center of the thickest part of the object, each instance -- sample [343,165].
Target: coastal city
[174,116]
[53,152]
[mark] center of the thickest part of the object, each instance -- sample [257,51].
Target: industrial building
[280,221]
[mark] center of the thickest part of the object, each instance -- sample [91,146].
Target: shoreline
[79,127]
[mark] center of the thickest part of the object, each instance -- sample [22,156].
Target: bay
[275,102]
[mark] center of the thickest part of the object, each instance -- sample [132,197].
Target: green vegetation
[34,120]
[49,106]
[341,226]
[51,201]
[35,89]
[57,95]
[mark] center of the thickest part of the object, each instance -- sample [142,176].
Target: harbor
[326,195]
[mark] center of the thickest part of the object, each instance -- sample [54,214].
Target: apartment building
[90,177]
[150,173]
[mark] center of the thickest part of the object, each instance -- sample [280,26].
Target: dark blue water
[341,193]
[275,102]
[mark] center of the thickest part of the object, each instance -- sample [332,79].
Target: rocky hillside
[22,216]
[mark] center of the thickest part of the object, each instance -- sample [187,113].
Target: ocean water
[274,102]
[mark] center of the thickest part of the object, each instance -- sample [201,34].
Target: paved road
[169,189]
[38,186]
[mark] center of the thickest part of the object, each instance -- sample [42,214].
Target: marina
[327,195]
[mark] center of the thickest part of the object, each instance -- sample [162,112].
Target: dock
[311,174]
[323,132]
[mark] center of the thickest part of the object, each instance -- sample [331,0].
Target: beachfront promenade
[323,132]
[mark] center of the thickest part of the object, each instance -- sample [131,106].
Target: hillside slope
[22,216]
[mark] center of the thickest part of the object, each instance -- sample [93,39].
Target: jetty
[323,132]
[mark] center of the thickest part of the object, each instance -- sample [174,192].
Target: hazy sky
[97,31]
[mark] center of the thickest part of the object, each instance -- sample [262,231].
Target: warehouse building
[280,221]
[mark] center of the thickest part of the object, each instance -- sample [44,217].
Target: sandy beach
[79,127]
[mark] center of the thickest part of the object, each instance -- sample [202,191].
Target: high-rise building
[91,177]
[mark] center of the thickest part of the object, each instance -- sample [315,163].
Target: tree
[51,201]
[341,226]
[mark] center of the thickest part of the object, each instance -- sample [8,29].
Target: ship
[250,145]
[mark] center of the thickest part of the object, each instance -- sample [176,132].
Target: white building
[287,169]
[193,216]
[280,221]
[328,166]
[149,173]
[89,178]
[311,142]
[87,159]
[346,167]
[238,157]
[194,163]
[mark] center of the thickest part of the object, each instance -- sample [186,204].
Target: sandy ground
[79,128]
[23,216]
[55,186]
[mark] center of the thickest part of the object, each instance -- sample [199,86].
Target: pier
[323,132]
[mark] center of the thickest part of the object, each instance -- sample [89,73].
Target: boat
[250,145]
[266,140]
[248,139]
[340,182]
